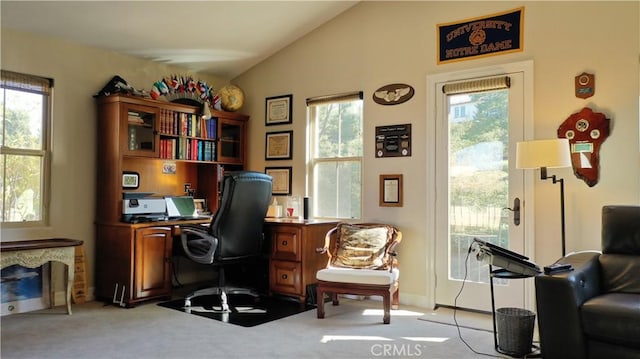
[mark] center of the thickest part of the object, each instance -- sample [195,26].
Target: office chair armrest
[198,245]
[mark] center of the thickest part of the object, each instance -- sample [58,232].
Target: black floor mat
[245,310]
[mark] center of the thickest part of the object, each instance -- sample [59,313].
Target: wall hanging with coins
[586,130]
[393,141]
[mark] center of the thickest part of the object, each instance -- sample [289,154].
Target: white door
[479,120]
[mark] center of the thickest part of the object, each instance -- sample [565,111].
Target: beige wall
[79,72]
[378,43]
[371,45]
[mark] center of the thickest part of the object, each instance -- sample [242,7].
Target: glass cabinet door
[230,148]
[141,137]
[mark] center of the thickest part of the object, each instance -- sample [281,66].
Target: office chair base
[223,293]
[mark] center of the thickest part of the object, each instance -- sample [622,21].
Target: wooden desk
[293,262]
[134,261]
[34,253]
[134,264]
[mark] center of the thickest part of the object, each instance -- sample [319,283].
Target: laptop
[183,208]
[504,258]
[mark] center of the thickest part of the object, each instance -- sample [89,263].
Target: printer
[141,207]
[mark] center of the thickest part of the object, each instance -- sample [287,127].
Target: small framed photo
[130,180]
[169,167]
[391,190]
[278,110]
[201,206]
[281,180]
[278,145]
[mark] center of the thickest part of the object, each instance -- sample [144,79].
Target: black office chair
[235,234]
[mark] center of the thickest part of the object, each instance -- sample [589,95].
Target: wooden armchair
[361,261]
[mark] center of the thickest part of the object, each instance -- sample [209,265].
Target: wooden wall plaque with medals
[586,131]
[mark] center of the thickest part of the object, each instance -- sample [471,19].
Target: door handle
[516,211]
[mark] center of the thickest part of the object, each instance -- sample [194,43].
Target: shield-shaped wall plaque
[585,85]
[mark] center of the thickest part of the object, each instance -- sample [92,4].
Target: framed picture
[278,145]
[281,180]
[391,190]
[169,167]
[130,180]
[201,206]
[278,110]
[25,289]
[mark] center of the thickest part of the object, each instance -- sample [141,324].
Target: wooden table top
[38,244]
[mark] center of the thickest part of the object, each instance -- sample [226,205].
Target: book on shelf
[213,127]
[136,120]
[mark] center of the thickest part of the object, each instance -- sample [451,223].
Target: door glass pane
[478,178]
[141,130]
[230,140]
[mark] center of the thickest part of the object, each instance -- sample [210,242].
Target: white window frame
[43,86]
[312,161]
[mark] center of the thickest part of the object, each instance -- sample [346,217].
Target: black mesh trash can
[515,330]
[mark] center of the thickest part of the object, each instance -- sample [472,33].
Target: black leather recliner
[594,310]
[236,231]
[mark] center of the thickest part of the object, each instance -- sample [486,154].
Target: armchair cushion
[362,246]
[620,249]
[613,318]
[363,276]
[620,273]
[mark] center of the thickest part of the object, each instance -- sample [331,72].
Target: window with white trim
[25,107]
[335,155]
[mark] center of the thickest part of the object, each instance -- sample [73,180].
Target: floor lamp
[545,154]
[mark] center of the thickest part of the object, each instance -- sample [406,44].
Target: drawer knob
[284,243]
[284,276]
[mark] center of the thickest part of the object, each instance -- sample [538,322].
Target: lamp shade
[543,153]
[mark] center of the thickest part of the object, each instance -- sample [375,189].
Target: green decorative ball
[231,98]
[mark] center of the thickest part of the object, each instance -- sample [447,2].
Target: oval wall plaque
[393,94]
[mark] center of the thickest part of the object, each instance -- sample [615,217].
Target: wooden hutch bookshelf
[168,145]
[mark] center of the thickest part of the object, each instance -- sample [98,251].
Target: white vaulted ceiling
[222,38]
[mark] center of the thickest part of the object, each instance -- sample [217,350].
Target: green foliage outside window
[23,112]
[337,157]
[489,124]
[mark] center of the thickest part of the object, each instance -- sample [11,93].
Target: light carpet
[353,329]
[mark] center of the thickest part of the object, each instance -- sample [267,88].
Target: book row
[187,149]
[187,124]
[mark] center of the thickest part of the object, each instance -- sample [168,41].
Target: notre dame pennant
[482,36]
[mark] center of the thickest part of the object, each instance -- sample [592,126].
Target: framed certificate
[391,190]
[278,145]
[278,110]
[281,180]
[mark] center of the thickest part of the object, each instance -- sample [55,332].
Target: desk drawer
[286,243]
[285,277]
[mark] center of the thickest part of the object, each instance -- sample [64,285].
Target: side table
[34,253]
[504,274]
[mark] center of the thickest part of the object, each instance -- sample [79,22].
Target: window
[335,155]
[25,110]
